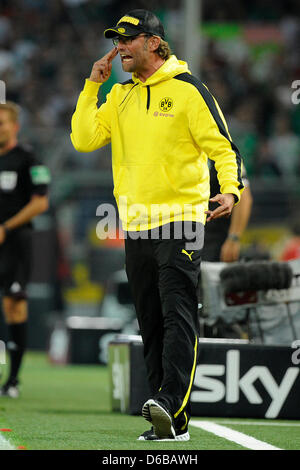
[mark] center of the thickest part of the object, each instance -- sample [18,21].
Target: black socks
[16,347]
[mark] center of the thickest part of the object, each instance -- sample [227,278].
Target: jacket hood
[169,69]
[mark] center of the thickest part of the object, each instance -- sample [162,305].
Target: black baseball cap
[136,22]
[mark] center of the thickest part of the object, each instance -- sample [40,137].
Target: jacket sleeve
[90,124]
[210,132]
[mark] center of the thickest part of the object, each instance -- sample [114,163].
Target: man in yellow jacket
[163,125]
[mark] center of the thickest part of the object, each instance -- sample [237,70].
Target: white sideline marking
[4,444]
[235,436]
[260,423]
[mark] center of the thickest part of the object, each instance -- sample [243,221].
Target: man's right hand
[102,68]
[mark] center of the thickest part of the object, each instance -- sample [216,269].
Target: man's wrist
[233,237]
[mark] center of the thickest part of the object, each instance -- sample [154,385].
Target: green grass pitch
[68,408]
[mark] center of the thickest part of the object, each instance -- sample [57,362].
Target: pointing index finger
[111,54]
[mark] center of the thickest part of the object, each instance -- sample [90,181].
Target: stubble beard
[130,68]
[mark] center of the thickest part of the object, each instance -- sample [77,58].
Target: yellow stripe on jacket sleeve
[224,165]
[90,124]
[214,139]
[210,132]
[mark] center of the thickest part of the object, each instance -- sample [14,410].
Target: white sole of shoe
[160,419]
[181,437]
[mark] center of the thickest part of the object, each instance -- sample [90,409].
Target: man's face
[8,128]
[134,53]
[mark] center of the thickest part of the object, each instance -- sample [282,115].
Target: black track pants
[163,275]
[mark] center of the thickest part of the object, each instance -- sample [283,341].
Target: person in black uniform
[23,195]
[222,236]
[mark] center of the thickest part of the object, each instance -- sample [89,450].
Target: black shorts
[15,263]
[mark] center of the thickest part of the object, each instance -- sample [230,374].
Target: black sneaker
[151,436]
[160,418]
[10,389]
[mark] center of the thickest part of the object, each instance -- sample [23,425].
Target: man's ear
[154,42]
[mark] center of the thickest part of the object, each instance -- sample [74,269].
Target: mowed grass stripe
[68,407]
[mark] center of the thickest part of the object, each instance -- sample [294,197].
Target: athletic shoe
[160,418]
[10,389]
[151,436]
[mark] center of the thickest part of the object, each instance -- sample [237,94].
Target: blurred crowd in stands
[47,49]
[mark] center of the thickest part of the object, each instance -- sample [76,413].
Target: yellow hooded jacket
[162,131]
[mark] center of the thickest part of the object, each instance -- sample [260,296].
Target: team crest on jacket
[166,104]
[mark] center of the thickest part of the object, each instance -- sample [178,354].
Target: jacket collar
[169,69]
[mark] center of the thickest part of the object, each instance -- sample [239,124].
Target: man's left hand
[226,202]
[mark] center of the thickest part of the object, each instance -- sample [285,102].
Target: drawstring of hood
[148,97]
[169,69]
[128,93]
